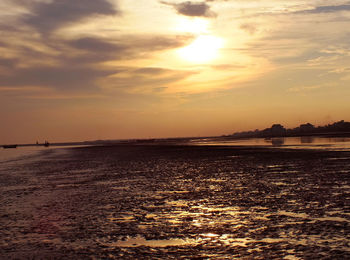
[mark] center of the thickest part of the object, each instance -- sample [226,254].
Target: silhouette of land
[340,128]
[337,129]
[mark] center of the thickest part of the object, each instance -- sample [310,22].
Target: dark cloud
[192,9]
[91,51]
[123,48]
[59,77]
[327,9]
[78,64]
[150,71]
[144,44]
[158,72]
[6,27]
[7,63]
[75,64]
[49,16]
[96,45]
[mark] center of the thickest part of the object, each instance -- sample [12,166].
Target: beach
[176,201]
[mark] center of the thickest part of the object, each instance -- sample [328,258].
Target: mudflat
[172,201]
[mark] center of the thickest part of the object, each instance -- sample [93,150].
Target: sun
[203,49]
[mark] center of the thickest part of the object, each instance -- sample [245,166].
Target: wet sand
[164,202]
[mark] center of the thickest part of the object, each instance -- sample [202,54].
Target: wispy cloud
[146,79]
[304,89]
[326,9]
[76,64]
[46,17]
[60,77]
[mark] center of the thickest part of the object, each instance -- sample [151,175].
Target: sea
[27,153]
[306,142]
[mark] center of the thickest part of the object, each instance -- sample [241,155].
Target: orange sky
[114,69]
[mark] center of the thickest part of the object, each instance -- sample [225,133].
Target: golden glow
[203,49]
[169,68]
[192,25]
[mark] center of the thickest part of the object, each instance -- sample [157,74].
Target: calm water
[26,152]
[306,142]
[20,153]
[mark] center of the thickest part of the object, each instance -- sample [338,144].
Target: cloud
[327,9]
[7,62]
[292,9]
[148,71]
[46,17]
[248,27]
[341,70]
[227,67]
[76,65]
[196,9]
[126,47]
[59,77]
[146,79]
[310,88]
[95,44]
[89,50]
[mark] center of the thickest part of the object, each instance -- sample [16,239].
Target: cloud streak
[59,77]
[326,9]
[76,65]
[47,17]
[147,79]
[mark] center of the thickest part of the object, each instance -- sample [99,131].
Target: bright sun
[203,49]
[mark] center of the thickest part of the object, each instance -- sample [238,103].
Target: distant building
[305,128]
[278,130]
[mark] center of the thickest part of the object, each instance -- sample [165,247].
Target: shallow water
[20,153]
[28,152]
[177,202]
[305,142]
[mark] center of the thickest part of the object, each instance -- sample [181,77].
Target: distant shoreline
[184,140]
[325,135]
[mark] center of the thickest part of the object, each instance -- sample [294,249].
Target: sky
[118,69]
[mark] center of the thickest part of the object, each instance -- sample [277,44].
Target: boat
[46,144]
[9,146]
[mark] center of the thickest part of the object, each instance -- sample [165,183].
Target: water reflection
[277,141]
[307,139]
[304,142]
[141,241]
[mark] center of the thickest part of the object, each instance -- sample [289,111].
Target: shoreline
[181,140]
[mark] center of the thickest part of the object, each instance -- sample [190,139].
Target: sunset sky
[75,70]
